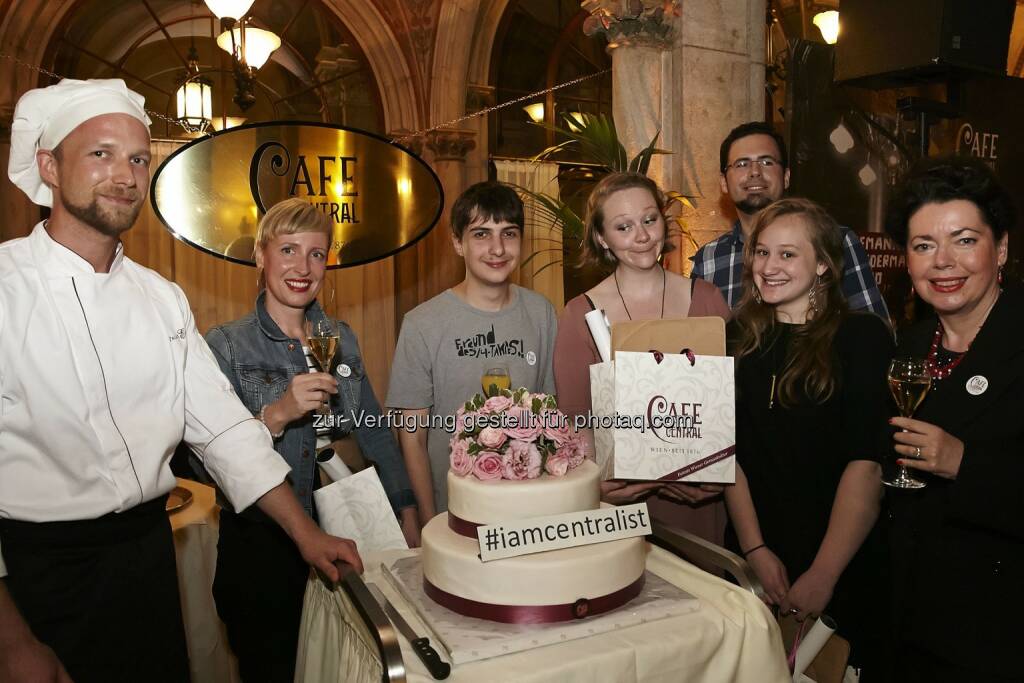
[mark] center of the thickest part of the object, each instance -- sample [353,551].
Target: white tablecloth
[195,544]
[732,637]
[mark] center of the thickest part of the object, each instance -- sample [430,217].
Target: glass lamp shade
[195,102]
[229,9]
[227,122]
[535,111]
[259,44]
[828,24]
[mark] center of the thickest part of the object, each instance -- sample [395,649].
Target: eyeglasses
[745,164]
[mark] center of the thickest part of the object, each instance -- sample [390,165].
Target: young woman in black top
[811,421]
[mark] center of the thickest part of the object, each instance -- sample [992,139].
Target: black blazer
[958,546]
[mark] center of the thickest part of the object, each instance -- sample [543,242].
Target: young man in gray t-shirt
[448,342]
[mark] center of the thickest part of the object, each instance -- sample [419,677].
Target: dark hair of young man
[486,201]
[751,128]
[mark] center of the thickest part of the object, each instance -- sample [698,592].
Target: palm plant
[594,137]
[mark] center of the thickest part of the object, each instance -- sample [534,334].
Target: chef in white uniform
[102,374]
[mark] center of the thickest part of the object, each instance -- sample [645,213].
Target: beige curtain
[543,273]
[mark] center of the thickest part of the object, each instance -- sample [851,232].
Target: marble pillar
[692,70]
[439,266]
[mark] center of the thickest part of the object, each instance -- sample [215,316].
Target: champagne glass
[495,379]
[909,382]
[323,338]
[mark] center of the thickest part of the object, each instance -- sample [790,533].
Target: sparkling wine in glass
[909,382]
[495,379]
[323,339]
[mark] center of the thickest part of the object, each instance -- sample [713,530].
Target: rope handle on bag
[659,356]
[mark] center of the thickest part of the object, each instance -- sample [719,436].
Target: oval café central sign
[380,197]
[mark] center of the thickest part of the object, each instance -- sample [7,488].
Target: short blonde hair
[290,216]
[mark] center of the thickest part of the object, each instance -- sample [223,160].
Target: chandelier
[249,47]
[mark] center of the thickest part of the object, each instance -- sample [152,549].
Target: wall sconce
[249,47]
[828,24]
[535,111]
[194,98]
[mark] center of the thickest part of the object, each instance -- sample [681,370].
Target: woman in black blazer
[958,544]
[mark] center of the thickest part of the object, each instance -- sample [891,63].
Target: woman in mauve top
[625,232]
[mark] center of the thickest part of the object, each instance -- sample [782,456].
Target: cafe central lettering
[673,420]
[326,181]
[978,144]
[378,197]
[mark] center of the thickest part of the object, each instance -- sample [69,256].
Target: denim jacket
[260,361]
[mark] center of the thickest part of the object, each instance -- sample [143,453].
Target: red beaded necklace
[944,370]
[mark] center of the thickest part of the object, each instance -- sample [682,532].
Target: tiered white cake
[557,585]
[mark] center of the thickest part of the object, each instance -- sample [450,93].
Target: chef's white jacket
[101,376]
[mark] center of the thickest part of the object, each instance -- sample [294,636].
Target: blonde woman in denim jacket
[260,576]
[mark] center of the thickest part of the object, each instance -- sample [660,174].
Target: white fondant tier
[493,502]
[556,577]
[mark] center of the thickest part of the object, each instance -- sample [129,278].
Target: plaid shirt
[721,262]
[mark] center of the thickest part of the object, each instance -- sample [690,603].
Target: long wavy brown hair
[809,366]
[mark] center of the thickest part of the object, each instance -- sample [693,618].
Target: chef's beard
[109,222]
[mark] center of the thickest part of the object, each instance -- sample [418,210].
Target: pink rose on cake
[513,435]
[575,449]
[488,466]
[496,404]
[491,438]
[522,424]
[462,463]
[465,419]
[522,461]
[557,464]
[556,426]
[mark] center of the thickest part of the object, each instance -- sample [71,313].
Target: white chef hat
[45,116]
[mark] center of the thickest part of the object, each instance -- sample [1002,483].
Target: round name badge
[977,385]
[531,358]
[343,370]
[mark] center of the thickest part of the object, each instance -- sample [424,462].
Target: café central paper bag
[666,416]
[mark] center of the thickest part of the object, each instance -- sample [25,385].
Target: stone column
[691,70]
[478,98]
[439,266]
[718,78]
[407,270]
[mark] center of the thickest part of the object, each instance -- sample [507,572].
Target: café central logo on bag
[672,421]
[379,197]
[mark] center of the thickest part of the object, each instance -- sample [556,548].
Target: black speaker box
[894,43]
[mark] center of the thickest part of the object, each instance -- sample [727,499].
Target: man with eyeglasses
[754,173]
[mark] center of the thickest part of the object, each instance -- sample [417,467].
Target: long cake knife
[437,667]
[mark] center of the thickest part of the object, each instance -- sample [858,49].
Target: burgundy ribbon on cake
[534,614]
[463,527]
[695,466]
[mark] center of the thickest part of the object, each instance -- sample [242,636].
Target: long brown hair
[809,363]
